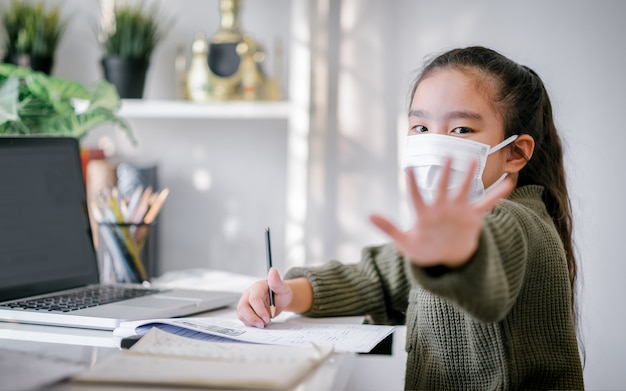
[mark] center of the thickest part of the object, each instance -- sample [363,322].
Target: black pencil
[268,248]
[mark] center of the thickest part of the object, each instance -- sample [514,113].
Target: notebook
[46,244]
[161,359]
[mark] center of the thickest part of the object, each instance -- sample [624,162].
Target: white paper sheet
[359,338]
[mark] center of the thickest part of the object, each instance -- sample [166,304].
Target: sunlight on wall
[297,158]
[361,132]
[200,177]
[202,180]
[402,128]
[315,242]
[360,86]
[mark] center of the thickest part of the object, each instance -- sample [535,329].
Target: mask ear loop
[495,149]
[503,144]
[497,182]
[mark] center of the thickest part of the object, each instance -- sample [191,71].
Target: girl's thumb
[275,282]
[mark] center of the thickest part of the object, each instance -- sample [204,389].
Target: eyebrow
[455,114]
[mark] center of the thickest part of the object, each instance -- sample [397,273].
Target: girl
[484,278]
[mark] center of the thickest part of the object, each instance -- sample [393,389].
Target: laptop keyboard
[83,298]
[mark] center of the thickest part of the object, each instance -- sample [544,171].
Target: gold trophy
[234,59]
[223,59]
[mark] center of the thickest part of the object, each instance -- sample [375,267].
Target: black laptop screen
[45,237]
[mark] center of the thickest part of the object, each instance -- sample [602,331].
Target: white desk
[34,353]
[85,347]
[81,348]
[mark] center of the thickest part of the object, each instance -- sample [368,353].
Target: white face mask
[426,154]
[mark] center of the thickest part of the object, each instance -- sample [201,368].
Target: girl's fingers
[442,186]
[490,199]
[387,227]
[416,197]
[252,307]
[259,299]
[466,186]
[246,314]
[397,237]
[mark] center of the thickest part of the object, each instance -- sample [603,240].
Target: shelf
[159,109]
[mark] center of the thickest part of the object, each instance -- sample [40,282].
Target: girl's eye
[420,129]
[461,130]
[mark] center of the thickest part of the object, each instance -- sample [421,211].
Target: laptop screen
[45,236]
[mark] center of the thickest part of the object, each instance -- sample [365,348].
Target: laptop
[47,249]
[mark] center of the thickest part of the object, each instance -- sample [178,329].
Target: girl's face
[452,102]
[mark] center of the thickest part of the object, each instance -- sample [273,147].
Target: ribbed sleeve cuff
[338,290]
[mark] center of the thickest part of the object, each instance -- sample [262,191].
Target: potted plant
[34,103]
[32,34]
[128,43]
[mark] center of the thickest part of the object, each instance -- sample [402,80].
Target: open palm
[445,232]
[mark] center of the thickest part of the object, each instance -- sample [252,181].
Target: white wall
[579,51]
[369,54]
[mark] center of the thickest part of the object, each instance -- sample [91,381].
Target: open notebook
[46,246]
[163,359]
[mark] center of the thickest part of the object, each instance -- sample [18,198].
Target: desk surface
[73,336]
[56,352]
[33,356]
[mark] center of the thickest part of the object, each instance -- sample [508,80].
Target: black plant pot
[127,74]
[36,63]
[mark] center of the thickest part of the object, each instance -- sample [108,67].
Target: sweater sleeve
[487,286]
[376,286]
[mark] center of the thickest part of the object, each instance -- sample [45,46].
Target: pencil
[156,206]
[268,248]
[125,235]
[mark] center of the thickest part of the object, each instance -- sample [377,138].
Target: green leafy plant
[35,103]
[31,29]
[134,34]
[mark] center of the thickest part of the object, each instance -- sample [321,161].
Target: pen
[268,247]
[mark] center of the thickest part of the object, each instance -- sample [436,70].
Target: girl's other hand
[253,308]
[447,231]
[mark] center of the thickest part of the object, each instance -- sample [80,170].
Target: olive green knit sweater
[503,321]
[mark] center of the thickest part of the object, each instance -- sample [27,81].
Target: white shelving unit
[180,109]
[295,112]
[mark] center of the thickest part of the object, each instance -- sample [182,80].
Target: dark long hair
[521,98]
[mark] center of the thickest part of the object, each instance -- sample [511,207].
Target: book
[298,331]
[164,359]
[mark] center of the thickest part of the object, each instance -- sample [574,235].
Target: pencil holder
[125,252]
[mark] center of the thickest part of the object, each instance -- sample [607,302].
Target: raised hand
[445,232]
